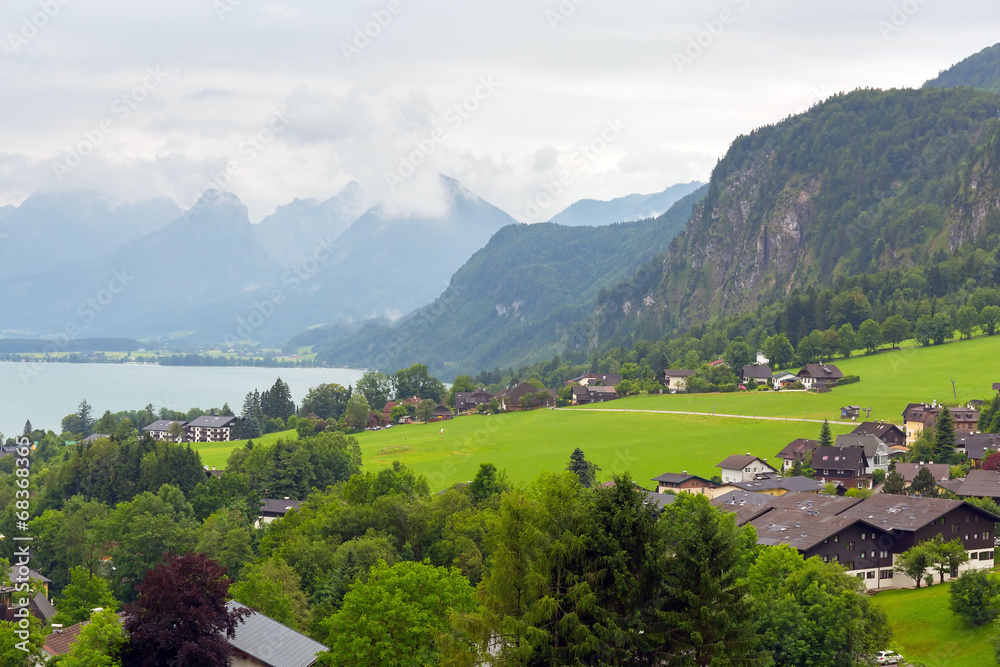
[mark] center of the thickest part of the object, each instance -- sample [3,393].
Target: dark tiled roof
[272,643]
[891,512]
[678,477]
[660,499]
[840,458]
[797,484]
[162,425]
[817,504]
[941,471]
[798,529]
[796,449]
[741,498]
[976,444]
[869,443]
[877,429]
[677,373]
[279,506]
[757,372]
[980,484]
[739,462]
[212,421]
[821,371]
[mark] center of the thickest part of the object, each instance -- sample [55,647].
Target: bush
[973,596]
[763,387]
[848,379]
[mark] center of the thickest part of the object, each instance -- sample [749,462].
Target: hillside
[624,209]
[981,71]
[867,181]
[515,301]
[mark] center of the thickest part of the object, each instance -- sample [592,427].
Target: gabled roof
[740,461]
[821,372]
[796,449]
[976,444]
[869,443]
[272,643]
[279,506]
[798,529]
[163,424]
[878,429]
[757,371]
[767,483]
[677,373]
[61,640]
[840,458]
[890,512]
[679,478]
[814,504]
[606,389]
[579,390]
[941,471]
[212,421]
[980,484]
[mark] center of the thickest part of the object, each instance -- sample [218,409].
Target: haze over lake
[45,393]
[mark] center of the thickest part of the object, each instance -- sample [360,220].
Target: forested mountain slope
[981,70]
[515,301]
[866,181]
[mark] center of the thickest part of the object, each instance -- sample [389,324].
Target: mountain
[52,228]
[981,71]
[515,301]
[289,234]
[624,209]
[867,181]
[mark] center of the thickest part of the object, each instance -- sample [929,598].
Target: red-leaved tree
[180,618]
[992,462]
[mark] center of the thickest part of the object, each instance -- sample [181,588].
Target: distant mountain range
[623,209]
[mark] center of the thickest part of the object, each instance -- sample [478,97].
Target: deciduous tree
[99,643]
[83,593]
[975,596]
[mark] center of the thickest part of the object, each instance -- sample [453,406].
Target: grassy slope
[215,454]
[926,631]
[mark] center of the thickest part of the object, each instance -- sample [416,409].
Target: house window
[861,485]
[986,535]
[883,554]
[954,528]
[871,575]
[836,558]
[836,538]
[826,559]
[850,546]
[973,555]
[885,574]
[862,536]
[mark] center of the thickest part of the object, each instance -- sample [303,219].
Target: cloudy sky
[586,98]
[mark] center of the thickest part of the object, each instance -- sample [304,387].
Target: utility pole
[953,391]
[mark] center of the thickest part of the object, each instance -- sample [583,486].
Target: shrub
[848,379]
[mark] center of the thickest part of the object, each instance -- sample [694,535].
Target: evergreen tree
[251,418]
[227,411]
[85,417]
[895,483]
[27,428]
[106,424]
[924,483]
[825,437]
[277,402]
[944,436]
[584,469]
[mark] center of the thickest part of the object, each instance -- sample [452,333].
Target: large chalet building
[918,416]
[207,428]
[846,466]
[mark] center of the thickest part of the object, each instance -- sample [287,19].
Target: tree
[974,597]
[810,348]
[878,476]
[397,412]
[946,556]
[462,383]
[944,436]
[106,424]
[737,355]
[847,340]
[16,651]
[989,319]
[895,483]
[273,588]
[966,319]
[326,401]
[488,482]
[99,643]
[585,471]
[357,410]
[708,559]
[27,428]
[84,592]
[181,617]
[417,381]
[251,424]
[377,388]
[895,330]
[941,328]
[914,562]
[399,615]
[276,402]
[923,331]
[924,483]
[870,335]
[825,436]
[425,410]
[992,462]
[779,350]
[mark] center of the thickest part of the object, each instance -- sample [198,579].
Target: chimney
[684,472]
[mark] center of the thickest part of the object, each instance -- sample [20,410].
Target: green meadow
[926,632]
[619,436]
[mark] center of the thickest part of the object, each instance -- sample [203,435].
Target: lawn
[215,454]
[889,381]
[925,630]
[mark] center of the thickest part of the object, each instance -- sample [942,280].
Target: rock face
[865,181]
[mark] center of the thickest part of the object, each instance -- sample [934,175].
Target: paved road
[716,414]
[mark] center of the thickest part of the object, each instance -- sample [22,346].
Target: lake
[45,393]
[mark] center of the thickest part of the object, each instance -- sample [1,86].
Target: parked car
[888,658]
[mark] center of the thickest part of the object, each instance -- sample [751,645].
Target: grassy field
[648,444]
[927,632]
[215,454]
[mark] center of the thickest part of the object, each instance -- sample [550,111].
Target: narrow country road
[711,414]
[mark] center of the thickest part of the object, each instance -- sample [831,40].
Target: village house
[784,380]
[261,641]
[876,451]
[160,430]
[816,376]
[674,380]
[510,399]
[275,508]
[582,395]
[980,484]
[918,416]
[594,379]
[796,451]
[940,471]
[470,401]
[743,468]
[772,484]
[888,433]
[756,372]
[677,482]
[846,466]
[977,446]
[210,428]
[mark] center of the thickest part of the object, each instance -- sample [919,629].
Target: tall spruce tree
[85,417]
[924,483]
[825,437]
[584,469]
[251,418]
[27,428]
[944,436]
[894,481]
